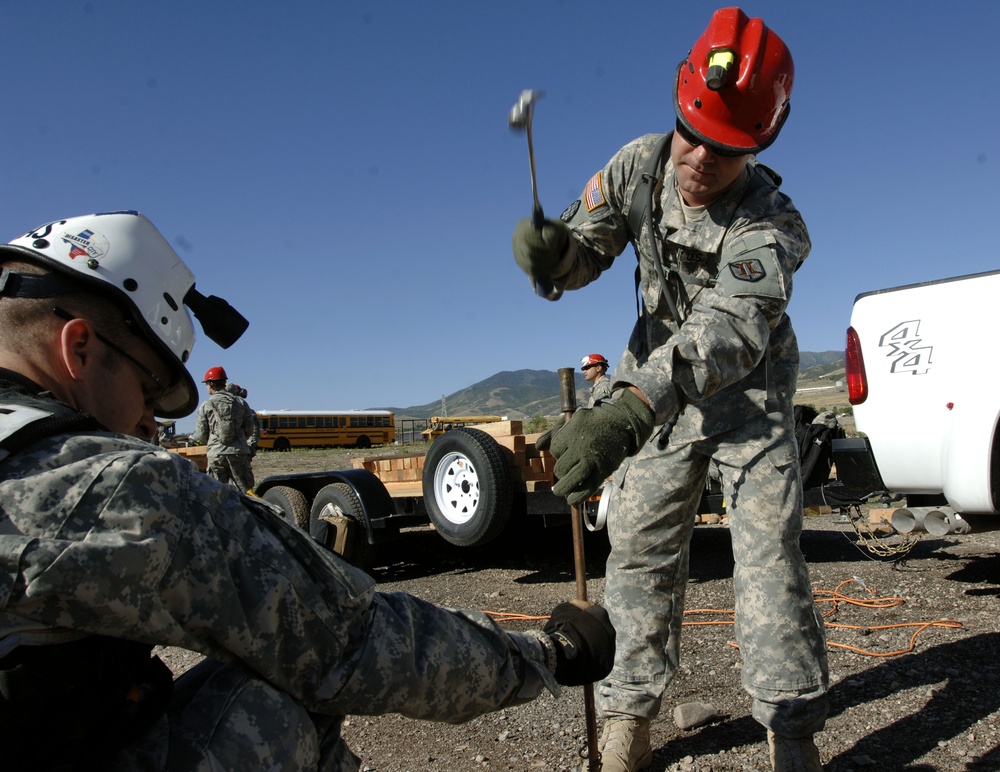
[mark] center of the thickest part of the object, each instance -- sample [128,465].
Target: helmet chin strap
[33,285]
[221,322]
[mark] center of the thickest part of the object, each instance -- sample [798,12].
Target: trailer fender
[376,504]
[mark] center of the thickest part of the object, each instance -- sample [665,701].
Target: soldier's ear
[78,348]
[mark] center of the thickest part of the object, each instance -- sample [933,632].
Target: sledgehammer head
[520,114]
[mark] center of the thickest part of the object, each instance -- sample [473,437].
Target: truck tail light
[857,380]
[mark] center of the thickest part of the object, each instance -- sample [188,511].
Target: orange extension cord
[832,597]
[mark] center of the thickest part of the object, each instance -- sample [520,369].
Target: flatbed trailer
[469,485]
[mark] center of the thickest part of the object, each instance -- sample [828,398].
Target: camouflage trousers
[778,629]
[234,469]
[225,718]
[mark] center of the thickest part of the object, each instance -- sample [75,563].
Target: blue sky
[343,173]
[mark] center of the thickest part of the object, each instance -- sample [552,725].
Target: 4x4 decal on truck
[905,351]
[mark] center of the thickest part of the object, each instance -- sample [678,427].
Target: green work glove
[585,642]
[594,442]
[538,252]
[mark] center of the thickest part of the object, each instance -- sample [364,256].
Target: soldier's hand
[595,441]
[538,252]
[585,642]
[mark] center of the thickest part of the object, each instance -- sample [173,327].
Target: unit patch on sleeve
[593,194]
[751,268]
[569,211]
[747,270]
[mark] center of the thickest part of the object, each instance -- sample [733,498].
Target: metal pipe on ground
[937,521]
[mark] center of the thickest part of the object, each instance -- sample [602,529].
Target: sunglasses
[162,385]
[694,141]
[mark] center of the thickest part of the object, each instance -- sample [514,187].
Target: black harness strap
[21,426]
[643,215]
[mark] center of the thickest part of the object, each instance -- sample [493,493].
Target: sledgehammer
[567,392]
[521,116]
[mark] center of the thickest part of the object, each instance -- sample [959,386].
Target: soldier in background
[238,391]
[226,425]
[595,368]
[111,546]
[713,361]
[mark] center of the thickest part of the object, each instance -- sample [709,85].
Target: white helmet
[123,256]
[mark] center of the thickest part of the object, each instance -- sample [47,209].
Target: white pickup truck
[924,381]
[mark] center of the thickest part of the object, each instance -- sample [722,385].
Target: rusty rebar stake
[567,392]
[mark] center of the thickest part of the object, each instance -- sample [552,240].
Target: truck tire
[282,444]
[292,504]
[364,441]
[467,488]
[340,499]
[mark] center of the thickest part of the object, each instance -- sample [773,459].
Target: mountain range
[521,394]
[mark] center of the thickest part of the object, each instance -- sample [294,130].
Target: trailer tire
[467,488]
[340,499]
[292,504]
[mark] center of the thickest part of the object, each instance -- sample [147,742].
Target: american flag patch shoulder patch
[593,194]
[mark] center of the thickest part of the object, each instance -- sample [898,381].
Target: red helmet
[593,359]
[733,89]
[216,373]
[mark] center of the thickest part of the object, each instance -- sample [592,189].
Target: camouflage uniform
[730,368]
[228,426]
[102,534]
[600,390]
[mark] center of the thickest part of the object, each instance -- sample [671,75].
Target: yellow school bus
[287,429]
[439,424]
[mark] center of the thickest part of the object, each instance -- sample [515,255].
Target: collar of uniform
[20,383]
[24,385]
[708,233]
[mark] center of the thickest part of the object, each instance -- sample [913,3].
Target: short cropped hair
[24,322]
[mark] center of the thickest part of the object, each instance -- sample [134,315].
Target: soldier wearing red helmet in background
[227,425]
[595,369]
[713,362]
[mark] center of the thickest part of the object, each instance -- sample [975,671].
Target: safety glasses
[162,386]
[694,141]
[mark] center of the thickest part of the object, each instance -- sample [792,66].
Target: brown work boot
[625,745]
[793,754]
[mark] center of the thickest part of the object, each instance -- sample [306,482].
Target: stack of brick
[198,455]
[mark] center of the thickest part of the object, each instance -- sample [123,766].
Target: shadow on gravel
[723,737]
[983,570]
[543,554]
[951,710]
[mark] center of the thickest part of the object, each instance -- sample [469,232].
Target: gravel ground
[936,707]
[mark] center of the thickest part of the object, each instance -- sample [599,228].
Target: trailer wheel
[292,503]
[466,485]
[340,500]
